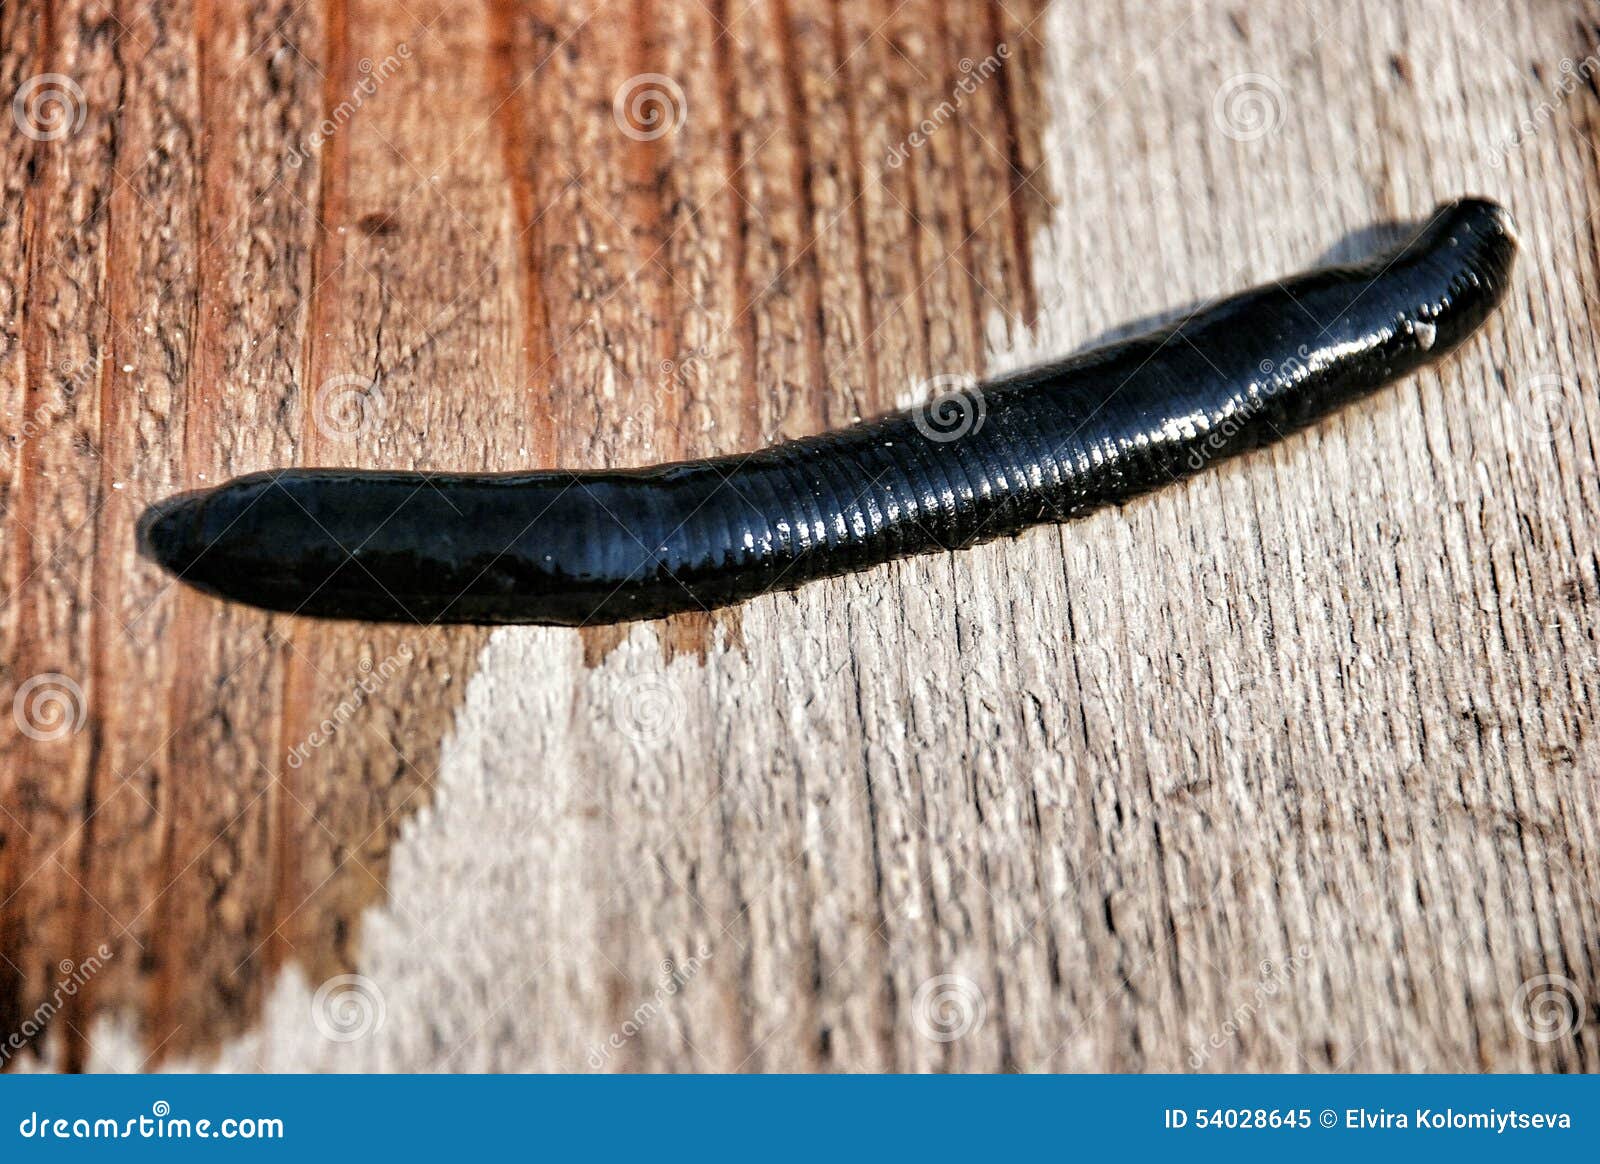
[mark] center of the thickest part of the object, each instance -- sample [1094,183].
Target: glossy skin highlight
[1045,444]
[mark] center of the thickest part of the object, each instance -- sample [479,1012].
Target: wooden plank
[1290,767]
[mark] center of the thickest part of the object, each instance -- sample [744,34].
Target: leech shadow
[1354,247]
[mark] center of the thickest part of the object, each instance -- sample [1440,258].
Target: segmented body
[1042,445]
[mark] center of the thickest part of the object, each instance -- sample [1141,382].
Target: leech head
[230,540]
[167,531]
[406,546]
[1462,250]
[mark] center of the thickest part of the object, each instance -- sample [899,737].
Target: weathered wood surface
[1290,767]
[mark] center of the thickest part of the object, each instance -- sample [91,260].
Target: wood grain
[1288,768]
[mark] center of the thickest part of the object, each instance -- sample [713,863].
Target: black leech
[1040,445]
